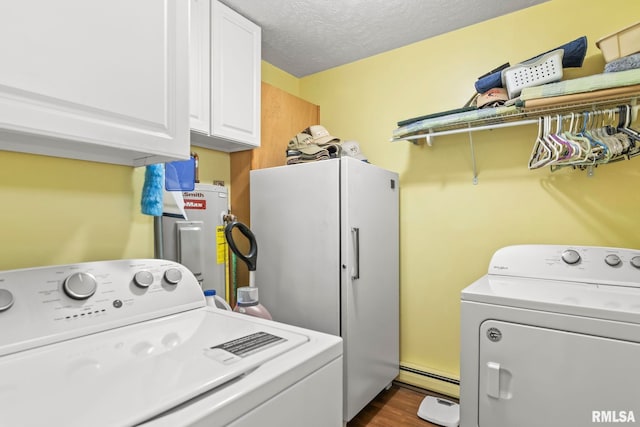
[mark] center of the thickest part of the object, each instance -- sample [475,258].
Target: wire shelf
[522,116]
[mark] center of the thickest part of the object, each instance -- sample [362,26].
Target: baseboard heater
[430,375]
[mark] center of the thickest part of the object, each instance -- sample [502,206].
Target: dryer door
[532,376]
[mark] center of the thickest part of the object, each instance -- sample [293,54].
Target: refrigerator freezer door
[295,218]
[370,277]
[327,237]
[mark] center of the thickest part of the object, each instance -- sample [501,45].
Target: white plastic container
[216,301]
[545,69]
[248,303]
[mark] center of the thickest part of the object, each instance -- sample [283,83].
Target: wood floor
[396,407]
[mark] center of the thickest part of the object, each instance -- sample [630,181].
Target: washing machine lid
[608,302]
[127,375]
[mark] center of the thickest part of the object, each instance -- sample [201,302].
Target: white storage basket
[545,69]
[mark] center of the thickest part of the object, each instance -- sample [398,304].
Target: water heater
[198,242]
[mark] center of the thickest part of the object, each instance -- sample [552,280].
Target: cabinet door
[225,55]
[101,80]
[235,77]
[200,66]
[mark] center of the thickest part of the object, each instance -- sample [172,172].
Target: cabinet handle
[355,232]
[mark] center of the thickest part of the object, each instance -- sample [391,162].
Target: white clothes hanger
[541,153]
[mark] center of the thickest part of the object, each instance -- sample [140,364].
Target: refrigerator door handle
[355,232]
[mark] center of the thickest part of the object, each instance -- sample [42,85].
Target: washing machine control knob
[80,285]
[612,260]
[6,299]
[570,256]
[635,261]
[143,279]
[173,276]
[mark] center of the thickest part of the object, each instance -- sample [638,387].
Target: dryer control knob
[570,256]
[143,279]
[612,260]
[6,299]
[635,261]
[173,276]
[80,285]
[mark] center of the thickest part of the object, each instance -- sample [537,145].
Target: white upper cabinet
[99,80]
[225,55]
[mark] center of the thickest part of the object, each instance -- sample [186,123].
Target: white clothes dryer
[551,337]
[132,342]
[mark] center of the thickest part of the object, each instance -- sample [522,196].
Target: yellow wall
[280,79]
[59,210]
[450,227]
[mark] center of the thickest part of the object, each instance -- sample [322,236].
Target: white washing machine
[131,342]
[551,337]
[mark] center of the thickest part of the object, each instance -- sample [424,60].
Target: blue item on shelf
[625,63]
[574,53]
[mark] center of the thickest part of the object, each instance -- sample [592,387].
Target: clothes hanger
[555,146]
[626,113]
[541,153]
[597,147]
[583,145]
[591,138]
[624,123]
[624,139]
[573,149]
[584,156]
[614,148]
[563,149]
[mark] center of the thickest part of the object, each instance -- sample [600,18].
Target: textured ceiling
[303,37]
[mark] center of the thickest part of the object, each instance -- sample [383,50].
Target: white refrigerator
[328,260]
